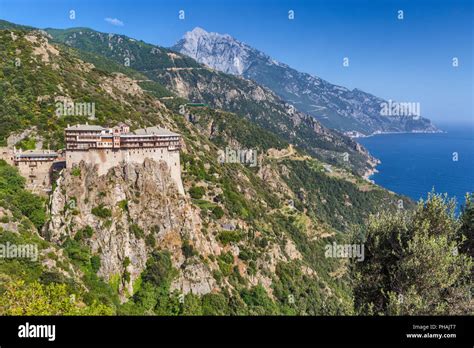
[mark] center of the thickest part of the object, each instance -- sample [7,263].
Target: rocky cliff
[131,210]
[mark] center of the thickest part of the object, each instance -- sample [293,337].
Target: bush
[137,231]
[22,298]
[197,192]
[52,277]
[27,144]
[126,262]
[95,263]
[466,232]
[101,212]
[86,232]
[150,240]
[214,304]
[159,270]
[217,212]
[226,237]
[31,206]
[226,262]
[123,205]
[187,249]
[258,301]
[76,251]
[412,265]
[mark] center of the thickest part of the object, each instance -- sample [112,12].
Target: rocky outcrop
[132,210]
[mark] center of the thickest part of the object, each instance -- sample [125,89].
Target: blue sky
[405,60]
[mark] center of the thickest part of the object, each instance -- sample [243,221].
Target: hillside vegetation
[168,254]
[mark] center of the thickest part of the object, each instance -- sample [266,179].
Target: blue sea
[413,164]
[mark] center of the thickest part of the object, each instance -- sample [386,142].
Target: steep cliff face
[131,211]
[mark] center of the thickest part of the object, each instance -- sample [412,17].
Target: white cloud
[114,21]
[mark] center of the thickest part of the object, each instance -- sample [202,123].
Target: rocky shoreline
[369,173]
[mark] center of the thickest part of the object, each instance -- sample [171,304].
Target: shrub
[76,171]
[217,212]
[245,255]
[95,263]
[214,304]
[226,237]
[31,206]
[137,231]
[101,212]
[159,270]
[225,262]
[123,205]
[196,192]
[26,144]
[86,232]
[126,276]
[258,301]
[22,298]
[76,251]
[188,249]
[150,240]
[415,259]
[126,262]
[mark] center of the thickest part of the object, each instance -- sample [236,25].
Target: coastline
[370,172]
[360,135]
[374,162]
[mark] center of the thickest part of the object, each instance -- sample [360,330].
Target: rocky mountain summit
[220,52]
[334,106]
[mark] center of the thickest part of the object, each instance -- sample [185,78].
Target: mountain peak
[197,31]
[203,33]
[219,51]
